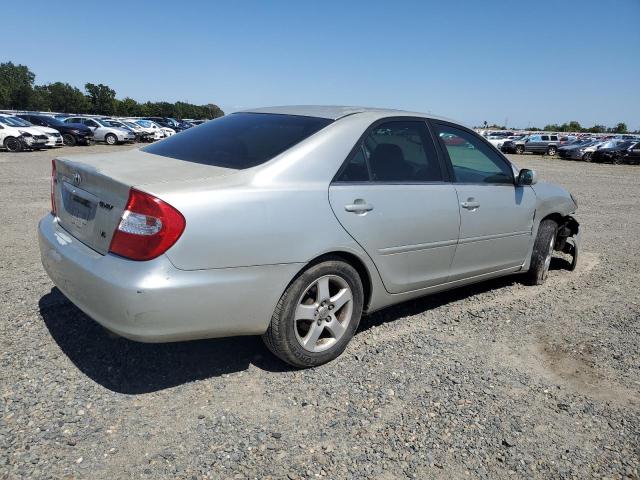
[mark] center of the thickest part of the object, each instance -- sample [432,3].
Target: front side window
[472,159]
[394,151]
[239,140]
[91,123]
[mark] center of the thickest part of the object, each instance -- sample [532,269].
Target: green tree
[102,98]
[620,128]
[552,127]
[597,129]
[574,126]
[67,99]
[128,107]
[40,99]
[16,86]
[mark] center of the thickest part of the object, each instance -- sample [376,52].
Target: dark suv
[542,143]
[72,133]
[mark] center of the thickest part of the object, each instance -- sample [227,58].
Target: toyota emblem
[77,178]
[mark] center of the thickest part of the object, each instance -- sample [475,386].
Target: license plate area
[79,207]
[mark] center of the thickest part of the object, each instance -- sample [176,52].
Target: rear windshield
[239,140]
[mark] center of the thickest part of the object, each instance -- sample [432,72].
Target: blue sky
[528,63]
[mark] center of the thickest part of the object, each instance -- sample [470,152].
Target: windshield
[239,140]
[144,123]
[21,122]
[51,121]
[10,122]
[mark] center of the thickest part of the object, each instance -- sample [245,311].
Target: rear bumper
[153,301]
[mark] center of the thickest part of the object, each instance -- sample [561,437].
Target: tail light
[148,227]
[54,181]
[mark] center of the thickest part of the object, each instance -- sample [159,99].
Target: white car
[15,137]
[498,140]
[157,129]
[54,139]
[155,133]
[102,131]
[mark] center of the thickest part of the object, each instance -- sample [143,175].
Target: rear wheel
[12,144]
[519,149]
[542,252]
[110,139]
[587,156]
[551,150]
[317,315]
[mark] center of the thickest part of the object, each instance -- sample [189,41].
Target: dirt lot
[493,381]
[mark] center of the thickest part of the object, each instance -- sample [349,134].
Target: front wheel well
[567,227]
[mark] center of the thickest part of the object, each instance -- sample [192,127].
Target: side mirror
[527,177]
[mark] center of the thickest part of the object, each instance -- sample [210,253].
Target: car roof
[334,112]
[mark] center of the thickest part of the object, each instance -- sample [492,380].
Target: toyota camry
[291,223]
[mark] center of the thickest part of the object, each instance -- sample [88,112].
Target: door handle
[470,204]
[359,206]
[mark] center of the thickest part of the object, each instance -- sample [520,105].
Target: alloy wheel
[323,313]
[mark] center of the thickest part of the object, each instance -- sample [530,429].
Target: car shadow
[129,367]
[422,304]
[133,368]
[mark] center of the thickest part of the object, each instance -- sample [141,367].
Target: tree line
[572,126]
[18,91]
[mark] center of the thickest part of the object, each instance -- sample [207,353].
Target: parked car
[515,145]
[72,133]
[575,150]
[150,127]
[144,134]
[542,143]
[167,122]
[102,131]
[15,137]
[54,139]
[498,141]
[290,222]
[627,151]
[140,134]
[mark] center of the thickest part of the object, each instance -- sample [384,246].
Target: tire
[110,139]
[304,330]
[520,149]
[551,150]
[542,252]
[69,140]
[587,156]
[12,144]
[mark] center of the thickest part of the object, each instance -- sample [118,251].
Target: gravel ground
[494,381]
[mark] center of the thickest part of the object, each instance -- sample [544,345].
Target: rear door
[393,197]
[496,216]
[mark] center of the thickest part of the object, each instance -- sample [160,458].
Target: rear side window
[239,140]
[395,151]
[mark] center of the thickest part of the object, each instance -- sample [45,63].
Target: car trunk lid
[91,191]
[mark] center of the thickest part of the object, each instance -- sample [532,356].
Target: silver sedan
[290,223]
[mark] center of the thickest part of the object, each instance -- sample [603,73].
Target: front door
[392,198]
[496,216]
